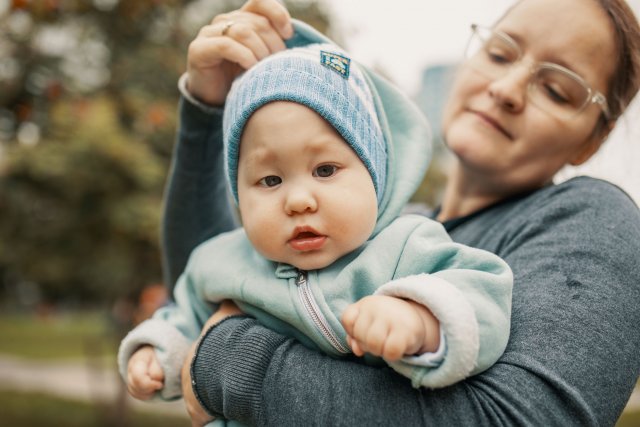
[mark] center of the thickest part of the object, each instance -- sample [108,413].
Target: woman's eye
[498,52]
[270,181]
[325,171]
[499,56]
[555,95]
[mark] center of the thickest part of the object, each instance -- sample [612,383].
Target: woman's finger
[275,12]
[209,52]
[240,32]
[227,308]
[234,23]
[267,33]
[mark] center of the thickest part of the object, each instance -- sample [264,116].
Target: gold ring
[226,27]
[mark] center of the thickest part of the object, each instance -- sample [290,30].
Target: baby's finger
[349,317]
[155,371]
[395,347]
[137,367]
[144,389]
[145,384]
[355,347]
[360,328]
[375,337]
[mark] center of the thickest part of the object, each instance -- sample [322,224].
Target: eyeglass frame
[593,96]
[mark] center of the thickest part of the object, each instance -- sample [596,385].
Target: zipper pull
[301,279]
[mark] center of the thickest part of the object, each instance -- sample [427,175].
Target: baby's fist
[144,374]
[384,326]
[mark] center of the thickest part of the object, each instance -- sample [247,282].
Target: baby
[321,156]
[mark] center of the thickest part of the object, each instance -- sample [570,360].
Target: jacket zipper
[316,315]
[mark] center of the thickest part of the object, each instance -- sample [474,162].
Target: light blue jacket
[468,290]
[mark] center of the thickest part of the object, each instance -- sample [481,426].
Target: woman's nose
[300,199]
[510,90]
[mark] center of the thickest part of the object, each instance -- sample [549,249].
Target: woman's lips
[306,239]
[493,123]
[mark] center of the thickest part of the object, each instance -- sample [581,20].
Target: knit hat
[318,76]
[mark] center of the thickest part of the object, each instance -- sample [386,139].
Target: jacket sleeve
[171,331]
[197,205]
[574,339]
[467,289]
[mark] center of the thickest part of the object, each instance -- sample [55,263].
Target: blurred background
[88,101]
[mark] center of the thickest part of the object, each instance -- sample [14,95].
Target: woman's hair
[625,81]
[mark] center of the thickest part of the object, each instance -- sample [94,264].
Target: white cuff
[429,360]
[171,349]
[457,322]
[182,87]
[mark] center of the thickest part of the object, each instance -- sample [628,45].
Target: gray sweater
[572,358]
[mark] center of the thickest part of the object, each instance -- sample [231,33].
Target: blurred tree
[87,124]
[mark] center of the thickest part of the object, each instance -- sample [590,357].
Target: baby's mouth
[306,239]
[305,235]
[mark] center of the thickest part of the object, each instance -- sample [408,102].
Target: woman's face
[503,140]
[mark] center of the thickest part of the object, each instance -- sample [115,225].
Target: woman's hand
[198,415]
[233,42]
[227,308]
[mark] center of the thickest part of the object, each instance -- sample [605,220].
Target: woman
[546,91]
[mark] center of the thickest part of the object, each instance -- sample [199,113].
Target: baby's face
[305,197]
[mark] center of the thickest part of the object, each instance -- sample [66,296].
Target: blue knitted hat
[321,77]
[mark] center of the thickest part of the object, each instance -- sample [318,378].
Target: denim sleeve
[197,205]
[571,359]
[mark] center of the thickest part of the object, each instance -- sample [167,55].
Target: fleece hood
[405,128]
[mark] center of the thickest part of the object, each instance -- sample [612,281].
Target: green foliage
[61,336]
[33,409]
[81,216]
[629,419]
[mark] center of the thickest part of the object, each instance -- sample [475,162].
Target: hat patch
[338,63]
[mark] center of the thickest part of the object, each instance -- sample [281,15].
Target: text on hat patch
[338,63]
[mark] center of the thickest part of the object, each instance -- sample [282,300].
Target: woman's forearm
[276,381]
[251,374]
[196,203]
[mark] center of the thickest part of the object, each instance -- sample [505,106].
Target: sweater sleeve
[197,205]
[574,339]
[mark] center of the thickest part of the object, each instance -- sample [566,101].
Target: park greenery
[33,409]
[88,100]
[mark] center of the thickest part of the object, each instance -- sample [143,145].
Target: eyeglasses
[552,88]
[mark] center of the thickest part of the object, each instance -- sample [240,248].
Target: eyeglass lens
[551,88]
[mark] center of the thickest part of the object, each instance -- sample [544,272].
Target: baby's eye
[325,171]
[270,181]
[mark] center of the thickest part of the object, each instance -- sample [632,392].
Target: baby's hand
[144,374]
[388,327]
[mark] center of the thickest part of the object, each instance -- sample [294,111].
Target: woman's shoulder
[585,191]
[583,203]
[590,204]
